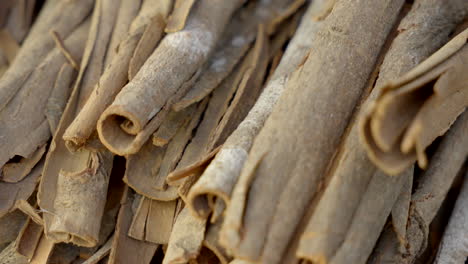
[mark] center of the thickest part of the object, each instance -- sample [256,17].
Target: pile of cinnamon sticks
[240,131]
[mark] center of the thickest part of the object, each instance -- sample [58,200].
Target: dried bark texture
[116,75]
[63,17]
[124,248]
[240,34]
[28,239]
[180,13]
[24,115]
[10,256]
[299,158]
[101,253]
[415,109]
[63,172]
[10,226]
[186,238]
[142,104]
[221,174]
[211,242]
[454,245]
[352,171]
[147,170]
[22,190]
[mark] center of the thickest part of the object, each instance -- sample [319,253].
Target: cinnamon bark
[67,174]
[454,244]
[116,75]
[433,95]
[143,103]
[298,160]
[352,171]
[232,155]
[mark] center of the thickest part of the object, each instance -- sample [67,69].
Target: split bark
[63,17]
[186,238]
[454,245]
[236,42]
[116,75]
[129,121]
[232,155]
[124,248]
[23,117]
[299,158]
[352,171]
[415,109]
[78,180]
[430,193]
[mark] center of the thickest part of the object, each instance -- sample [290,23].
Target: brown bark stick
[299,158]
[128,122]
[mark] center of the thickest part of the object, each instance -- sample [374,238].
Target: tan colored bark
[10,256]
[233,153]
[352,171]
[81,178]
[236,42]
[28,239]
[124,248]
[186,238]
[101,253]
[63,17]
[15,172]
[116,75]
[432,94]
[179,15]
[129,121]
[454,245]
[11,192]
[298,160]
[23,117]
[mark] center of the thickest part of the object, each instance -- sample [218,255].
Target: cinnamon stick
[128,122]
[116,75]
[298,159]
[434,94]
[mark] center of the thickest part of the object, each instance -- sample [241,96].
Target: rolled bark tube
[222,173]
[141,105]
[324,92]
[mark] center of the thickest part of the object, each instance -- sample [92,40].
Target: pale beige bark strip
[43,251]
[15,172]
[124,248]
[59,96]
[454,245]
[64,18]
[181,53]
[8,45]
[101,253]
[186,238]
[431,110]
[299,158]
[10,226]
[179,15]
[400,210]
[247,92]
[86,190]
[28,239]
[114,77]
[88,166]
[159,222]
[170,126]
[236,42]
[25,207]
[147,170]
[24,116]
[354,170]
[138,226]
[11,192]
[10,256]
